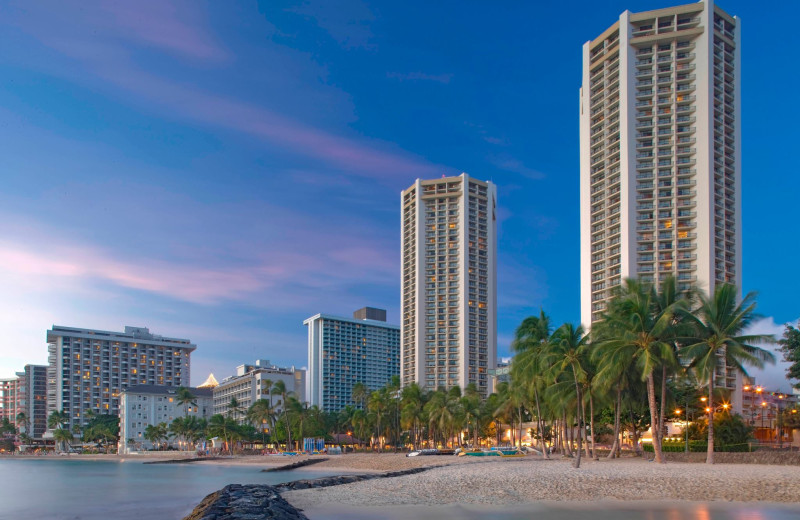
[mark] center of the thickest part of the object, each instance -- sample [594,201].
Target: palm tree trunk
[661,416]
[579,413]
[519,440]
[651,398]
[710,452]
[591,424]
[540,424]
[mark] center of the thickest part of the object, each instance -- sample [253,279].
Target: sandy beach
[475,484]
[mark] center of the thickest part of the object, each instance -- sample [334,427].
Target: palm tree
[155,433]
[262,413]
[57,419]
[360,393]
[279,388]
[185,397]
[530,343]
[224,428]
[568,351]
[412,403]
[638,332]
[377,405]
[471,408]
[717,342]
[234,408]
[23,422]
[359,423]
[62,436]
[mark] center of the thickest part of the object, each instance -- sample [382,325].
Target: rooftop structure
[254,382]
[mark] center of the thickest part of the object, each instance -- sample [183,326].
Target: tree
[155,433]
[412,403]
[568,351]
[261,413]
[359,394]
[279,388]
[185,397]
[103,429]
[234,408]
[224,428]
[62,437]
[637,331]
[57,419]
[377,405]
[790,347]
[530,342]
[717,341]
[23,422]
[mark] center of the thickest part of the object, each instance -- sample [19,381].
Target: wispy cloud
[174,26]
[420,76]
[93,43]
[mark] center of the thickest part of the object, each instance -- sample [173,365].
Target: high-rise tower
[660,152]
[660,155]
[448,285]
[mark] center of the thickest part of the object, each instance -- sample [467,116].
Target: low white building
[144,405]
[253,382]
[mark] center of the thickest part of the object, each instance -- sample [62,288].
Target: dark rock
[251,502]
[295,465]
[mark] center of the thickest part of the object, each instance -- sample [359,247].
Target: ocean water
[70,489]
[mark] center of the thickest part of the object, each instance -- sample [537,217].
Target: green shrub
[696,447]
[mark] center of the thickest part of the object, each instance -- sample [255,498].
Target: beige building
[449,283]
[253,382]
[660,155]
[88,368]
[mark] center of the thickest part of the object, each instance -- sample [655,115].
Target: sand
[480,482]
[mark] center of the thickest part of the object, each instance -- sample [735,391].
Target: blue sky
[223,170]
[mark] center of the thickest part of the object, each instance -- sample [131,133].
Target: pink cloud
[174,26]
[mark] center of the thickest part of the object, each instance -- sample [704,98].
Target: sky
[220,171]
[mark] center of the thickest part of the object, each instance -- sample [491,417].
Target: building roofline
[375,323]
[127,337]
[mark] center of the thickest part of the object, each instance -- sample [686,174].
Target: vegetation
[790,347]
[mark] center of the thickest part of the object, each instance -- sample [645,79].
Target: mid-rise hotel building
[345,351]
[88,369]
[660,130]
[26,394]
[254,382]
[145,405]
[448,283]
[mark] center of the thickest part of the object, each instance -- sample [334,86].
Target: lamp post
[763,407]
[685,425]
[778,422]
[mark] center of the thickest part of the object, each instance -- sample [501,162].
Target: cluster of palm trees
[648,340]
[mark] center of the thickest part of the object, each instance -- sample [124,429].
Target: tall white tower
[449,283]
[660,153]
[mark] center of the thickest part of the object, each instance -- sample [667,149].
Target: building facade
[346,351]
[449,283]
[33,399]
[660,132]
[253,382]
[9,399]
[88,369]
[145,405]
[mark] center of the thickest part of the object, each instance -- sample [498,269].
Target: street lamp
[685,426]
[763,407]
[778,423]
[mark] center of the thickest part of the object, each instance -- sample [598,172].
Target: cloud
[94,43]
[173,26]
[773,377]
[420,76]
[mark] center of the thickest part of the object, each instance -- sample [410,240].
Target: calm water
[101,490]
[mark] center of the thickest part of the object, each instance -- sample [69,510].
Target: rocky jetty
[245,502]
[295,465]
[344,479]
